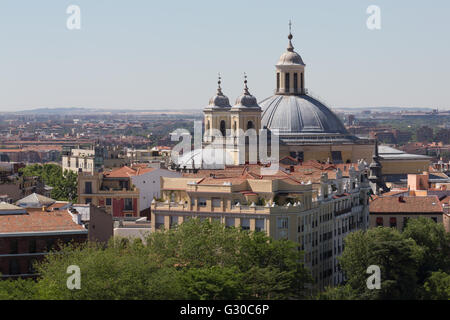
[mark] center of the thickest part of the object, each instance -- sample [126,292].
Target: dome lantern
[290,71]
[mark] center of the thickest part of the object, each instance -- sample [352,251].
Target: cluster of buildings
[328,183]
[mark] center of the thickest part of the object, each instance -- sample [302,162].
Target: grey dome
[219,101]
[299,114]
[290,58]
[246,100]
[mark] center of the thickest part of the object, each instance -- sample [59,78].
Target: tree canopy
[64,183]
[196,260]
[414,264]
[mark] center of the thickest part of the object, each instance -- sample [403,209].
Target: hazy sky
[166,54]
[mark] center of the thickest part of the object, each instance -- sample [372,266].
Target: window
[282,223]
[434,219]
[222,128]
[49,244]
[32,246]
[88,187]
[245,224]
[259,225]
[128,204]
[173,221]
[14,267]
[108,201]
[88,200]
[229,222]
[336,156]
[250,125]
[278,81]
[286,82]
[216,202]
[301,81]
[159,222]
[202,202]
[379,222]
[296,82]
[13,245]
[393,222]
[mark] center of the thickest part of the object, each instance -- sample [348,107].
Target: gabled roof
[35,200]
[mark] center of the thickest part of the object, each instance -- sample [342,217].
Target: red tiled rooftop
[36,220]
[425,204]
[125,172]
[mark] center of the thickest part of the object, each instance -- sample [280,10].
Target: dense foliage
[64,183]
[415,264]
[197,260]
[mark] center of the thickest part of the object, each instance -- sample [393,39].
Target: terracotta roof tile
[425,204]
[36,220]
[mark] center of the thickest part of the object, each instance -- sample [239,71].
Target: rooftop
[36,220]
[125,172]
[410,205]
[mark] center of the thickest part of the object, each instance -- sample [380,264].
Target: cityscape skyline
[117,60]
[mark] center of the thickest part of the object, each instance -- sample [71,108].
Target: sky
[145,54]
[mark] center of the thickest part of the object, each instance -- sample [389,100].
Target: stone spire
[375,175]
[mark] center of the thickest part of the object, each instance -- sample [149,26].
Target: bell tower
[217,113]
[246,113]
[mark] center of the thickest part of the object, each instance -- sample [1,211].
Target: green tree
[397,257]
[437,286]
[18,289]
[435,242]
[64,183]
[196,260]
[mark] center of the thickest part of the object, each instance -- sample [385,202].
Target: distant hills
[383,109]
[84,111]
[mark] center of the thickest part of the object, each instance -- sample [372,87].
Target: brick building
[28,234]
[394,211]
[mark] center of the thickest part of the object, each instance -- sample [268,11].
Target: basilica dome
[292,114]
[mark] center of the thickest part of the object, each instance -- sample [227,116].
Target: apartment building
[28,234]
[113,190]
[125,191]
[313,204]
[395,211]
[419,199]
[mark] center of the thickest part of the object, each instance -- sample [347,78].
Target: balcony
[343,211]
[239,209]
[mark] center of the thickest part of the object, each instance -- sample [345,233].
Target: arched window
[207,125]
[286,82]
[295,82]
[250,125]
[278,81]
[222,127]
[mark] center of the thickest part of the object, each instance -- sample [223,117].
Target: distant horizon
[200,109]
[168,54]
